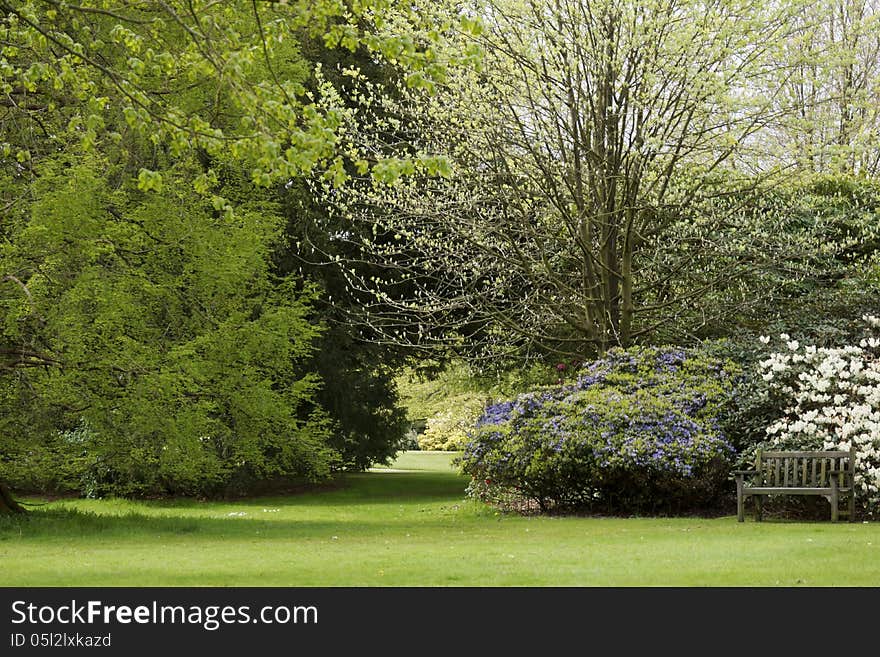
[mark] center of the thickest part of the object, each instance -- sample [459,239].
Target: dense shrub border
[638,431]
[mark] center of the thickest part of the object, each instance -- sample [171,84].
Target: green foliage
[157,62]
[201,358]
[55,462]
[360,398]
[358,391]
[449,398]
[164,329]
[744,421]
[814,268]
[424,394]
[817,295]
[448,429]
[841,216]
[426,390]
[637,431]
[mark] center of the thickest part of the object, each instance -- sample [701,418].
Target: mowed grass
[422,460]
[414,528]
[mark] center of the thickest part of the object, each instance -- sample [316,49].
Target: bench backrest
[804,469]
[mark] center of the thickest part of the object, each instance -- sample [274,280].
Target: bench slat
[791,470]
[790,490]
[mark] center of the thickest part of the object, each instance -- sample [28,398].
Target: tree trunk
[627,307]
[7,504]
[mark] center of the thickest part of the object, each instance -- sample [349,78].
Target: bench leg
[740,516]
[835,500]
[852,504]
[759,508]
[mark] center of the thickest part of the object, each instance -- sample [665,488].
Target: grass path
[411,525]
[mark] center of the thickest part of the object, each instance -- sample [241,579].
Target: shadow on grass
[77,523]
[389,490]
[71,522]
[350,490]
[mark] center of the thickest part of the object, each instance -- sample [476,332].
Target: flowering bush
[637,430]
[830,399]
[447,429]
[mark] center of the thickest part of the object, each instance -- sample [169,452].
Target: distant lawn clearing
[414,528]
[422,460]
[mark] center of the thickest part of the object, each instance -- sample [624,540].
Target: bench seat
[764,490]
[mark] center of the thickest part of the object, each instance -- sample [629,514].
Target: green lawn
[412,526]
[423,460]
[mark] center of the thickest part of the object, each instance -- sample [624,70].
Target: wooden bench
[829,474]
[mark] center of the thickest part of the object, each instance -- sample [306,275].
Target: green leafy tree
[145,86]
[163,330]
[144,59]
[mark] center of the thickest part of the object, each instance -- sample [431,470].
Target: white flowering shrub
[830,399]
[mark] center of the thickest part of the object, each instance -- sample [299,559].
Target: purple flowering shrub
[638,431]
